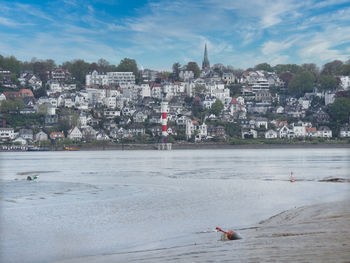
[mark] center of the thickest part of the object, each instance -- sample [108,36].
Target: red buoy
[231,235]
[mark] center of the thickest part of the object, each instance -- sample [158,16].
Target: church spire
[205,64]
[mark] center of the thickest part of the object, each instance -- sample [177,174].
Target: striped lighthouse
[163,144]
[164,111]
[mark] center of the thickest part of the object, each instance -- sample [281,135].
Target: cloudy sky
[241,33]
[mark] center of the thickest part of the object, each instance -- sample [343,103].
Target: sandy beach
[318,233]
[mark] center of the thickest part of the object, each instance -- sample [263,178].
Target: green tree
[217,107]
[40,92]
[197,108]
[340,110]
[327,82]
[78,68]
[301,83]
[128,65]
[176,71]
[293,68]
[10,63]
[199,91]
[192,66]
[235,89]
[11,105]
[188,100]
[233,129]
[346,68]
[286,77]
[103,65]
[264,67]
[332,68]
[311,67]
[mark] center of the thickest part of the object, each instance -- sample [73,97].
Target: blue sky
[241,33]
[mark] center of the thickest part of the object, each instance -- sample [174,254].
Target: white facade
[345,82]
[344,132]
[75,134]
[110,102]
[2,97]
[95,78]
[7,133]
[186,75]
[324,132]
[41,136]
[299,131]
[111,113]
[270,134]
[329,97]
[121,78]
[228,78]
[145,90]
[110,78]
[261,122]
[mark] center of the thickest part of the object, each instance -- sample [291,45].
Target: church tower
[205,64]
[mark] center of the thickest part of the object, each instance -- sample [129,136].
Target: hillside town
[56,106]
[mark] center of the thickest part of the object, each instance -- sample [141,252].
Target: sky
[240,33]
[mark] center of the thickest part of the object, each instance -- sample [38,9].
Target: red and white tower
[164,111]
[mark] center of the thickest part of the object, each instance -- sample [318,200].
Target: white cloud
[273,47]
[323,46]
[8,22]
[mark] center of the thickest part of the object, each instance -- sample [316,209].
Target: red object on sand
[232,235]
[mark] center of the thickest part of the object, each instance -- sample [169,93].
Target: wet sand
[318,233]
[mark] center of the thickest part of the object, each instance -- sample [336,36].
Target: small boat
[69,148]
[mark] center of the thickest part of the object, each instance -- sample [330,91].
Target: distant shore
[185,146]
[208,146]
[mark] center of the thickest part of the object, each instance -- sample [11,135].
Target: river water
[101,202]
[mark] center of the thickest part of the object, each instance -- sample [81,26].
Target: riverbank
[318,233]
[199,146]
[241,144]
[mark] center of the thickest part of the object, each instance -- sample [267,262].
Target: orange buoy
[231,235]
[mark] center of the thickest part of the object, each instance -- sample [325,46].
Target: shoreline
[194,146]
[208,146]
[315,233]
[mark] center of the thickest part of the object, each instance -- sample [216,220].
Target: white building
[344,132]
[2,97]
[110,102]
[121,78]
[299,131]
[324,132]
[228,78]
[145,90]
[110,78]
[194,128]
[96,78]
[75,134]
[329,97]
[345,82]
[270,134]
[186,75]
[41,136]
[110,114]
[261,122]
[7,133]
